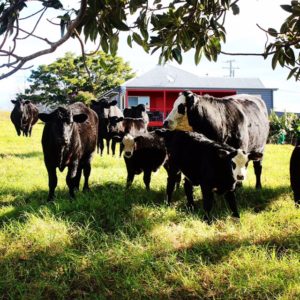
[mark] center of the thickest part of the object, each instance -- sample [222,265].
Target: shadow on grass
[22,155]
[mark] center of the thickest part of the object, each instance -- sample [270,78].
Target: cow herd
[208,140]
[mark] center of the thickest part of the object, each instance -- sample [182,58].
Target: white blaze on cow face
[239,165]
[176,120]
[128,142]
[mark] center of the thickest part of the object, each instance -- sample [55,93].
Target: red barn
[159,88]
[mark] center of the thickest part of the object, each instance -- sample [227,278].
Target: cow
[24,115]
[295,173]
[240,120]
[137,112]
[132,126]
[215,167]
[102,108]
[143,153]
[69,140]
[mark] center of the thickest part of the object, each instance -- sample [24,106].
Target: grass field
[117,244]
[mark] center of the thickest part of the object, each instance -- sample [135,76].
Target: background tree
[171,28]
[76,78]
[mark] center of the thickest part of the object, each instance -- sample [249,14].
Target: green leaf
[118,24]
[104,44]
[176,53]
[275,59]
[137,38]
[287,8]
[114,40]
[235,9]
[272,32]
[198,54]
[292,72]
[129,41]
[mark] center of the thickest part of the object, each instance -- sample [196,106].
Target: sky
[243,35]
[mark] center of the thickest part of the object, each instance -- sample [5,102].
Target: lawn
[116,244]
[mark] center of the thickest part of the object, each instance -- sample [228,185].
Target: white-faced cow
[24,115]
[104,109]
[240,120]
[143,153]
[69,139]
[215,167]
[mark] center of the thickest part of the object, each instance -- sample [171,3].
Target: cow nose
[128,154]
[166,124]
[240,177]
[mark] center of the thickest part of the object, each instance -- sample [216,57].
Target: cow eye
[181,109]
[233,165]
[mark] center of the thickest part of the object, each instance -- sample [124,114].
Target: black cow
[240,120]
[295,172]
[214,166]
[143,153]
[102,108]
[137,112]
[24,115]
[69,139]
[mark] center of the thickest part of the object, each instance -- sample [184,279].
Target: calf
[295,172]
[137,112]
[213,166]
[131,126]
[102,108]
[69,139]
[24,115]
[143,153]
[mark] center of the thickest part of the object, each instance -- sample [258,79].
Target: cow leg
[52,181]
[113,147]
[107,145]
[101,146]
[86,173]
[130,177]
[147,179]
[71,178]
[208,199]
[121,149]
[230,198]
[170,187]
[188,189]
[257,164]
[77,178]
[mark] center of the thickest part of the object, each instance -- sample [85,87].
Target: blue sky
[243,35]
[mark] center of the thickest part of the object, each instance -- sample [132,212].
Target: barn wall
[267,96]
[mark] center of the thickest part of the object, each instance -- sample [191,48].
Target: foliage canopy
[172,28]
[67,79]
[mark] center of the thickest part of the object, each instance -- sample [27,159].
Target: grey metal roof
[171,77]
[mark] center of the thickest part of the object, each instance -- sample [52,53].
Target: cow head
[177,118]
[102,106]
[113,122]
[135,111]
[129,145]
[62,122]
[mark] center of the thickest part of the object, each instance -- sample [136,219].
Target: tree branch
[73,25]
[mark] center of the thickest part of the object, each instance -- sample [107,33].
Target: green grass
[117,244]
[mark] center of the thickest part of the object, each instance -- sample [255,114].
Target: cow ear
[181,109]
[113,103]
[27,101]
[80,118]
[45,117]
[222,153]
[94,102]
[13,101]
[255,155]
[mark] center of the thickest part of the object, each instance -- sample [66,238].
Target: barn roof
[168,76]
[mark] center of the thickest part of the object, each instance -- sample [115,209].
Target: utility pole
[231,67]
